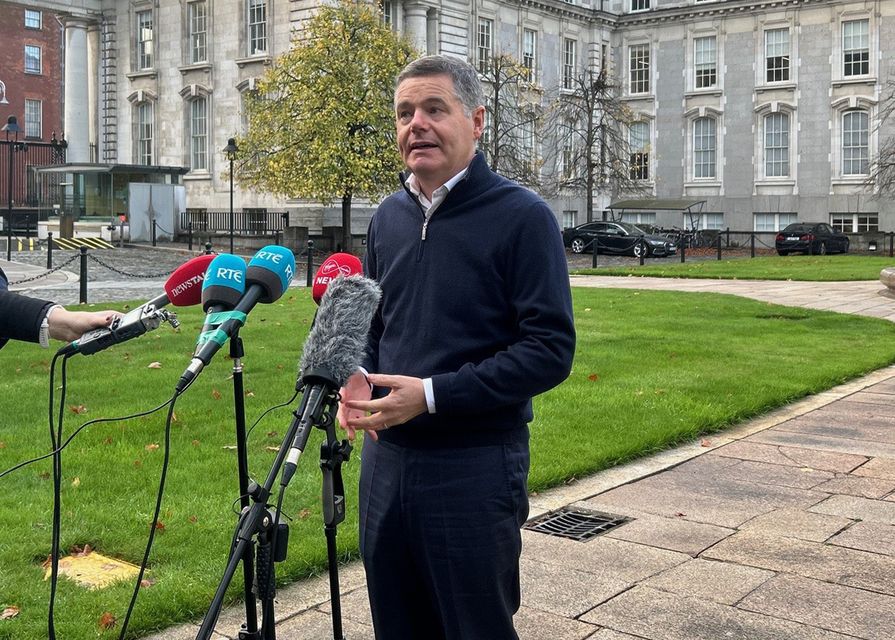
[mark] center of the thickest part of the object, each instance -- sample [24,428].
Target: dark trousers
[440,539]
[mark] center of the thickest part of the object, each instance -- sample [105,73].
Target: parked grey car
[621,238]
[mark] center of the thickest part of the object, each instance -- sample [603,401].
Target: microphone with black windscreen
[182,289]
[332,353]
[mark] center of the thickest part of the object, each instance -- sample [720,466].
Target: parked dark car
[620,238]
[811,237]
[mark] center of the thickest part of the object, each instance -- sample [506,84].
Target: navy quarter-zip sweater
[480,303]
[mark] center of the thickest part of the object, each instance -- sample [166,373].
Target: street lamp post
[230,151]
[11,127]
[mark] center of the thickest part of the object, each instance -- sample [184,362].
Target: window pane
[32,59]
[32,19]
[777,55]
[704,148]
[484,45]
[704,57]
[776,145]
[638,142]
[257,24]
[639,68]
[144,39]
[856,47]
[569,63]
[143,127]
[33,118]
[639,5]
[529,49]
[855,142]
[198,22]
[198,134]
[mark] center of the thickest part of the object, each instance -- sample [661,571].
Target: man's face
[435,136]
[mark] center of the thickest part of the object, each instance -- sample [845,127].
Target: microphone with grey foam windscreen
[332,353]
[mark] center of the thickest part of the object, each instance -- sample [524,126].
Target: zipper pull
[425,225]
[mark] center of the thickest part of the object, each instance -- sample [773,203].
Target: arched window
[855,143]
[144,132]
[776,145]
[705,144]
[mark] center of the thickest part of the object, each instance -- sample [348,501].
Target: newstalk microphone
[182,289]
[338,264]
[268,275]
[332,352]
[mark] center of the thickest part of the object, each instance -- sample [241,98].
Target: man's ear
[478,121]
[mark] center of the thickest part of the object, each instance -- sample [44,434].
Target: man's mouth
[414,146]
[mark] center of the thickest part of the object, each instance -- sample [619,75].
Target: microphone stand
[250,629]
[258,520]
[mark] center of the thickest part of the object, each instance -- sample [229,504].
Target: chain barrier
[125,273]
[47,272]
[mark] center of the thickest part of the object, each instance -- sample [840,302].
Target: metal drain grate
[576,525]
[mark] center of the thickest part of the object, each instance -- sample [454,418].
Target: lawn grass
[652,369]
[830,268]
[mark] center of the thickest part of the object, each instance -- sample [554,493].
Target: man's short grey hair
[464,76]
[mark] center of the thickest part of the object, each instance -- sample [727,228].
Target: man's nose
[419,120]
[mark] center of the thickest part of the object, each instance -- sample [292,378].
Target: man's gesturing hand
[406,400]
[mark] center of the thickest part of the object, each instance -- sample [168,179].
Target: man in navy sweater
[475,320]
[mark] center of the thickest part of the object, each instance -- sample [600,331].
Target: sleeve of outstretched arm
[540,356]
[20,316]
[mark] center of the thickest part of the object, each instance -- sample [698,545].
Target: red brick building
[31,88]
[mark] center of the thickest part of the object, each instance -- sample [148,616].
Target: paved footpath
[780,528]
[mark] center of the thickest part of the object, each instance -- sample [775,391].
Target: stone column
[76,120]
[93,64]
[416,26]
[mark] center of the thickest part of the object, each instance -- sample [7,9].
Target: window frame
[784,71]
[865,62]
[786,158]
[569,62]
[843,159]
[711,151]
[639,5]
[858,221]
[530,55]
[198,139]
[789,216]
[696,63]
[38,57]
[256,29]
[484,44]
[639,156]
[639,79]
[144,146]
[29,121]
[39,24]
[144,49]
[197,39]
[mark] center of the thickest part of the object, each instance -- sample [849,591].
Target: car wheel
[641,250]
[822,249]
[578,245]
[780,252]
[845,247]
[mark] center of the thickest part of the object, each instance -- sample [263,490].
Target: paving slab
[533,624]
[609,634]
[602,557]
[877,468]
[355,606]
[872,397]
[865,448]
[857,508]
[654,614]
[826,562]
[846,610]
[791,455]
[721,582]
[314,625]
[567,592]
[863,487]
[871,429]
[874,537]
[723,502]
[855,407]
[674,534]
[797,523]
[777,474]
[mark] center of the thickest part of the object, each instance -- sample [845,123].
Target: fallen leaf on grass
[215,394]
[160,526]
[274,449]
[229,447]
[196,443]
[9,612]
[78,409]
[80,552]
[107,621]
[706,443]
[593,377]
[2,445]
[193,519]
[250,394]
[76,482]
[154,365]
[304,514]
[107,440]
[145,583]
[151,446]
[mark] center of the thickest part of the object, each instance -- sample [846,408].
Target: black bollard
[83,276]
[718,242]
[189,232]
[642,249]
[208,250]
[153,233]
[310,262]
[752,244]
[682,244]
[49,250]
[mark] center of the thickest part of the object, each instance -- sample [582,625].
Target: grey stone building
[765,109]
